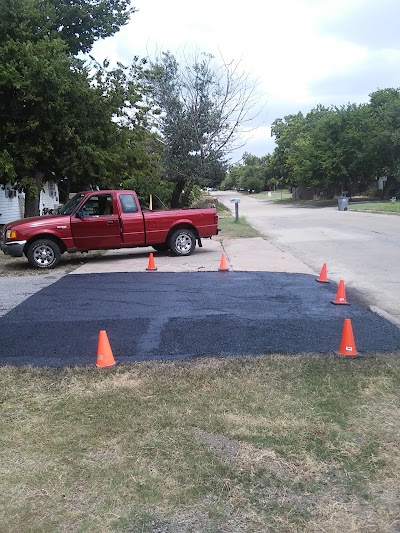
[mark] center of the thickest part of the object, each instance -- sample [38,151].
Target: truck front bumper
[15,248]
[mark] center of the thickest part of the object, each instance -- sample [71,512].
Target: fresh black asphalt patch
[166,316]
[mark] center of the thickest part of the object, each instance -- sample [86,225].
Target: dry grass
[233,445]
[19,266]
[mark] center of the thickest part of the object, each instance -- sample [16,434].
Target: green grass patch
[372,206]
[283,194]
[230,229]
[376,207]
[222,209]
[271,443]
[308,203]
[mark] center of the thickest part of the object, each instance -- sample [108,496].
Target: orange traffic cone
[104,353]
[151,266]
[347,345]
[223,265]
[340,298]
[322,276]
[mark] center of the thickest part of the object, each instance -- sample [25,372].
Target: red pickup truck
[104,220]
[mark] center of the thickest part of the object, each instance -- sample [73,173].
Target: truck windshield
[71,205]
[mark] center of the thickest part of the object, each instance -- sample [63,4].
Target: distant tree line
[331,149]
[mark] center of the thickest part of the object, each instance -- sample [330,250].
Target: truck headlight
[11,234]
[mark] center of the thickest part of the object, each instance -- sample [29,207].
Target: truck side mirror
[79,214]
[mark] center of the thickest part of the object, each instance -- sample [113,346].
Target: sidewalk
[253,255]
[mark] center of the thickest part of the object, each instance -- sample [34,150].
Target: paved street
[363,249]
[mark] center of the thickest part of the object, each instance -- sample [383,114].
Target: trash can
[343,203]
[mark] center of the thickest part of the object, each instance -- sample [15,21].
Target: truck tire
[163,247]
[43,253]
[182,242]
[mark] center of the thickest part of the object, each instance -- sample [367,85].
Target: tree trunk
[32,195]
[185,197]
[63,191]
[389,185]
[177,193]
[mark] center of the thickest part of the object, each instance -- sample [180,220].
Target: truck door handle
[110,222]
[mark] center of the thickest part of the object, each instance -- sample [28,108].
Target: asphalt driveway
[164,316]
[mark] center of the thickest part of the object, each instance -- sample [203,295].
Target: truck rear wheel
[182,242]
[43,253]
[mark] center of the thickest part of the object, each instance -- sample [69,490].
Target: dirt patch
[223,447]
[19,266]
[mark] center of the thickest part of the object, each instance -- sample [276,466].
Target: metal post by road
[236,201]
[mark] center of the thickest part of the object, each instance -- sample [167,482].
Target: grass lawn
[230,229]
[371,206]
[376,207]
[272,443]
[283,194]
[263,444]
[308,203]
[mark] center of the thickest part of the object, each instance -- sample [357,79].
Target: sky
[301,53]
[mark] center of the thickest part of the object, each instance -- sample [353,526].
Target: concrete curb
[390,318]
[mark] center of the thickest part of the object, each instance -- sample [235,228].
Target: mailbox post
[236,201]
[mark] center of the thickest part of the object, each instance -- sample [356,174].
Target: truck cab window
[99,205]
[128,203]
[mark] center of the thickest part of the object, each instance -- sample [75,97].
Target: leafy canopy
[78,23]
[61,116]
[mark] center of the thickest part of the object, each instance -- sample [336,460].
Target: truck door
[131,220]
[96,225]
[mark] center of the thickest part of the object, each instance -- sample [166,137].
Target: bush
[204,201]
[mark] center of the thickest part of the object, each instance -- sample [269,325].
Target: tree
[286,132]
[331,149]
[77,23]
[348,157]
[58,119]
[385,111]
[58,115]
[36,85]
[232,178]
[202,107]
[252,173]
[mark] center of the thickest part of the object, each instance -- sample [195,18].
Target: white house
[12,203]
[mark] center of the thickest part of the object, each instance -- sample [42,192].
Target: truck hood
[37,222]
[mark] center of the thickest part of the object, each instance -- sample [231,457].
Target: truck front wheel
[43,253]
[182,242]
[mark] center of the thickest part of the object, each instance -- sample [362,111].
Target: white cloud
[303,52]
